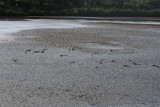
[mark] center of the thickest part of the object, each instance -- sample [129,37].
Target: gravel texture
[102,65]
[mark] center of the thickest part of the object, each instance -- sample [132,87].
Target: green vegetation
[80,7]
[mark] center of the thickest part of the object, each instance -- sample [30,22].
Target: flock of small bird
[43,51]
[35,52]
[72,62]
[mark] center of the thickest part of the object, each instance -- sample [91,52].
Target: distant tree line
[80,7]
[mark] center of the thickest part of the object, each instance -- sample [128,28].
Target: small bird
[40,51]
[94,53]
[43,50]
[72,62]
[73,48]
[28,50]
[94,69]
[113,61]
[155,66]
[134,62]
[125,65]
[101,61]
[36,52]
[62,55]
[111,50]
[14,60]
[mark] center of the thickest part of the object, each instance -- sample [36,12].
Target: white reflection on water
[126,22]
[13,26]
